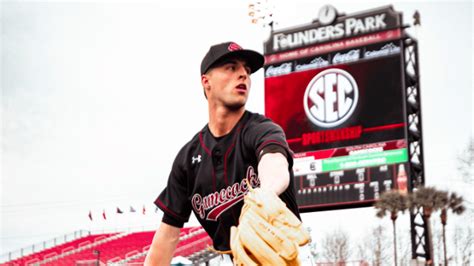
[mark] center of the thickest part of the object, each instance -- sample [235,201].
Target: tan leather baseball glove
[268,232]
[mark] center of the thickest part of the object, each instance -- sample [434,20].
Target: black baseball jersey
[208,176]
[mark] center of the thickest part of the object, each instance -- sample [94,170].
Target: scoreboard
[349,179]
[336,89]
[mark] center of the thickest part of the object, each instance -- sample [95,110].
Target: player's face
[229,84]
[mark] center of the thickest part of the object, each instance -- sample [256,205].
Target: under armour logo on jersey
[196,159]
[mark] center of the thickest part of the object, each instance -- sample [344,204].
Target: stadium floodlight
[261,12]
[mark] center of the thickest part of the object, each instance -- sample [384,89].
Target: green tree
[391,203]
[455,204]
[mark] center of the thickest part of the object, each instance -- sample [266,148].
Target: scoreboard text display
[341,105]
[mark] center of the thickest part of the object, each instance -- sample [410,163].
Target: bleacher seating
[55,250]
[112,248]
[191,241]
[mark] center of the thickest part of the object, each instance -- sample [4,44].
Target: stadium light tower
[261,13]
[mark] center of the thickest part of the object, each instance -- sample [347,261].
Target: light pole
[261,12]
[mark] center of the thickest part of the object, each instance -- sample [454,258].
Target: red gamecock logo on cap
[234,47]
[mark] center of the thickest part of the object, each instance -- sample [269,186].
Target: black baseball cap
[222,51]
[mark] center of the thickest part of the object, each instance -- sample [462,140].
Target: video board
[341,104]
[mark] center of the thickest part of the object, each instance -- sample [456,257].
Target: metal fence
[43,245]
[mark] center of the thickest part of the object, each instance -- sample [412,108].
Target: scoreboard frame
[294,51]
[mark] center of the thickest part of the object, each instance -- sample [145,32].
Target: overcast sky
[99,96]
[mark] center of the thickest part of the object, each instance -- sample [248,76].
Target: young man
[209,172]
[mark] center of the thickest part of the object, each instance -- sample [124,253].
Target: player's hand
[268,232]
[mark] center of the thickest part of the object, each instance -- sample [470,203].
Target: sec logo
[330,98]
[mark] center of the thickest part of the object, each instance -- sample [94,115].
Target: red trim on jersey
[231,147]
[225,164]
[216,212]
[259,149]
[203,145]
[162,205]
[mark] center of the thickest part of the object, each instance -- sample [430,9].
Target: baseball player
[211,173]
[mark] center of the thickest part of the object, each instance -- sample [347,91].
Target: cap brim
[254,59]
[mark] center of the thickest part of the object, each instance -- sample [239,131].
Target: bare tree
[437,242]
[466,161]
[313,251]
[463,239]
[362,252]
[375,247]
[392,202]
[404,249]
[336,246]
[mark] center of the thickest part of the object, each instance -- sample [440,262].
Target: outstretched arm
[163,245]
[273,172]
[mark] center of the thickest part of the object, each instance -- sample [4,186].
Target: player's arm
[274,156]
[163,245]
[273,172]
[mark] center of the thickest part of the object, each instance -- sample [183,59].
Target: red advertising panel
[342,111]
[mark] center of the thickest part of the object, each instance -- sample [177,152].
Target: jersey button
[217,156]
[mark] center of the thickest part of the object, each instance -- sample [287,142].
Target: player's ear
[204,80]
[205,84]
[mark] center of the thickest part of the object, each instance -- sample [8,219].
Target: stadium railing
[38,247]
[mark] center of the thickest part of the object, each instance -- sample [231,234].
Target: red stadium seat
[58,249]
[109,249]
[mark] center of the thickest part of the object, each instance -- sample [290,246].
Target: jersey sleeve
[173,200]
[266,136]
